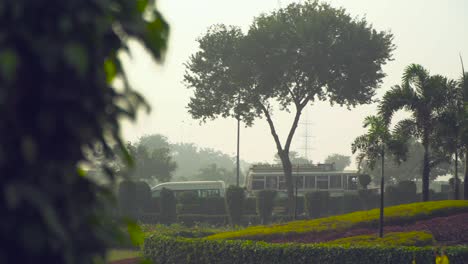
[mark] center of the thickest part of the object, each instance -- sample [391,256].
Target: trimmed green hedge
[168,250]
[395,215]
[193,219]
[413,238]
[234,198]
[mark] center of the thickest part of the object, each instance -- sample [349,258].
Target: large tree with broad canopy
[288,59]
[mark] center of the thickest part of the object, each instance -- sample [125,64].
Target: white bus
[309,177]
[201,188]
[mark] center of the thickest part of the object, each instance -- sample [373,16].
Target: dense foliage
[340,161]
[193,162]
[394,215]
[364,180]
[169,250]
[235,197]
[56,99]
[316,203]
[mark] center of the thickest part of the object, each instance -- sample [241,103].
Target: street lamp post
[381,220]
[238,143]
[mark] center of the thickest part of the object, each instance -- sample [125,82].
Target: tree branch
[272,126]
[293,128]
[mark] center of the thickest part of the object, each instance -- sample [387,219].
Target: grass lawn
[118,254]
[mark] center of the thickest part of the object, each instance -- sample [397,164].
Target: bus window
[310,182]
[299,181]
[271,182]
[322,182]
[209,193]
[282,183]
[335,181]
[258,185]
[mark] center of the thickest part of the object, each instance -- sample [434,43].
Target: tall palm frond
[405,127]
[399,97]
[415,76]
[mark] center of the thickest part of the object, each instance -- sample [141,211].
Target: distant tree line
[157,160]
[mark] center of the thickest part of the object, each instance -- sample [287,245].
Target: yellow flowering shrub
[413,238]
[395,215]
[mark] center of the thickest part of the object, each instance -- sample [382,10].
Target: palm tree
[463,87]
[373,145]
[423,95]
[449,127]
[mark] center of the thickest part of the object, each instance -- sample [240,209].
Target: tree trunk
[465,183]
[425,174]
[287,169]
[283,152]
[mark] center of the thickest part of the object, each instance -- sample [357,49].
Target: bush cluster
[194,219]
[235,197]
[316,203]
[265,202]
[413,238]
[170,250]
[167,205]
[202,205]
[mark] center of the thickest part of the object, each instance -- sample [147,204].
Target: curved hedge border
[394,215]
[167,250]
[413,238]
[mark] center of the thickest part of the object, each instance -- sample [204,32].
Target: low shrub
[351,203]
[281,205]
[395,215]
[316,203]
[142,197]
[235,196]
[149,218]
[126,199]
[153,206]
[414,238]
[194,219]
[167,205]
[368,199]
[179,230]
[364,180]
[170,250]
[265,200]
[250,206]
[213,206]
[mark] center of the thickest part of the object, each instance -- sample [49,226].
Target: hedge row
[395,215]
[168,250]
[214,220]
[413,238]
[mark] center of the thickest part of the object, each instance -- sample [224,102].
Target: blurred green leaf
[136,234]
[141,5]
[9,63]
[110,69]
[145,261]
[81,172]
[77,56]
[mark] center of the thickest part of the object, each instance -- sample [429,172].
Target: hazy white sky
[428,32]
